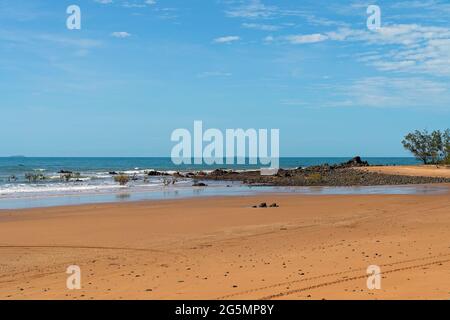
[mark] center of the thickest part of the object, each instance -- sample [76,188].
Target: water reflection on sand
[216,190]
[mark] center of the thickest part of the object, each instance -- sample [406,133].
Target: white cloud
[141,4]
[252,9]
[308,38]
[404,48]
[133,5]
[226,39]
[120,34]
[386,92]
[256,9]
[262,27]
[269,39]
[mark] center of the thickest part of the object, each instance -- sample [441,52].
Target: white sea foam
[88,182]
[51,188]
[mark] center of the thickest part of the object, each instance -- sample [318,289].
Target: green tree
[436,147]
[447,146]
[428,147]
[418,144]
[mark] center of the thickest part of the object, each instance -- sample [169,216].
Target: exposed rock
[355,162]
[273,205]
[218,172]
[157,174]
[263,205]
[199,184]
[343,174]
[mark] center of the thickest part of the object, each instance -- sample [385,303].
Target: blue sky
[139,69]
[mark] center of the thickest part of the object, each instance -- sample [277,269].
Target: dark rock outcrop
[345,174]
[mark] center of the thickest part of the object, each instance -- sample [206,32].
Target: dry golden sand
[417,171]
[312,247]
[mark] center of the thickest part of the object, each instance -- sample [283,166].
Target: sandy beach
[311,247]
[437,171]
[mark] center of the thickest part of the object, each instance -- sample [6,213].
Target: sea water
[96,184]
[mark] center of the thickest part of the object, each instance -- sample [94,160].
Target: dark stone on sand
[263,205]
[65,172]
[199,184]
[273,205]
[113,173]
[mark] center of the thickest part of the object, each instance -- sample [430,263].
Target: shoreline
[99,186]
[445,189]
[135,196]
[212,248]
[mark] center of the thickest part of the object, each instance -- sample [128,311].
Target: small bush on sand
[122,179]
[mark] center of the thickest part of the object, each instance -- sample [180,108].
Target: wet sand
[311,247]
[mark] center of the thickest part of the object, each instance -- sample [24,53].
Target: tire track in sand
[330,283]
[331,275]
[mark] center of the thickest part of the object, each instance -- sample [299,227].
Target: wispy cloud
[104,1]
[256,10]
[121,34]
[404,48]
[388,92]
[129,4]
[252,9]
[411,48]
[209,74]
[262,27]
[308,38]
[226,39]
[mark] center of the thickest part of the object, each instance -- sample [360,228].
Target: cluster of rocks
[343,174]
[264,205]
[157,174]
[148,173]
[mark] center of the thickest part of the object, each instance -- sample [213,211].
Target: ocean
[95,181]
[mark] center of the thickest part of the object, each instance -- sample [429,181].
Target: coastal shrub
[122,179]
[315,178]
[34,177]
[447,146]
[166,182]
[430,148]
[447,160]
[69,176]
